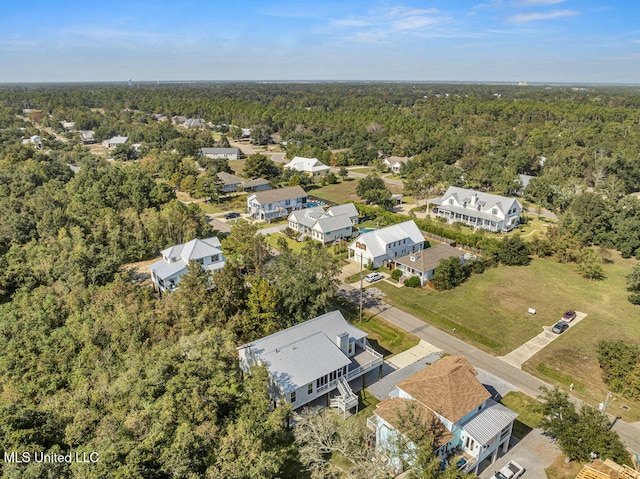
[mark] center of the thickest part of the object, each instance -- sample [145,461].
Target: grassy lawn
[367,403]
[343,191]
[560,469]
[535,226]
[237,166]
[386,338]
[272,240]
[490,311]
[356,277]
[525,406]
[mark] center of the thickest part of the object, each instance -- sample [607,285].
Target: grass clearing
[525,406]
[272,240]
[367,403]
[386,338]
[560,469]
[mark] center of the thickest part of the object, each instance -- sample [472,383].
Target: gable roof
[398,411]
[429,259]
[228,178]
[280,194]
[347,209]
[448,387]
[256,182]
[326,223]
[378,240]
[117,140]
[306,164]
[194,249]
[304,352]
[219,151]
[393,160]
[486,201]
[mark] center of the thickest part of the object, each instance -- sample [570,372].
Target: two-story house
[468,426]
[314,359]
[387,244]
[394,163]
[326,227]
[277,203]
[166,273]
[311,167]
[480,210]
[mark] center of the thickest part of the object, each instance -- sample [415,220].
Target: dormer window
[450,201]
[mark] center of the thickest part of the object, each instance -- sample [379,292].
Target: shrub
[413,282]
[396,274]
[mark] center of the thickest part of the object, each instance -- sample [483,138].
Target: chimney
[474,199]
[342,341]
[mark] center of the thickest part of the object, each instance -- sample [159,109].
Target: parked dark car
[569,316]
[231,215]
[560,327]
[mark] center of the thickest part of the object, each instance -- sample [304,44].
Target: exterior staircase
[347,399]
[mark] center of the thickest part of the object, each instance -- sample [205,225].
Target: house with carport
[469,427]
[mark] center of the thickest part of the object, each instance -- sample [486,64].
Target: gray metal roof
[378,240]
[348,209]
[332,223]
[300,354]
[256,182]
[219,151]
[280,194]
[487,200]
[229,179]
[488,423]
[194,249]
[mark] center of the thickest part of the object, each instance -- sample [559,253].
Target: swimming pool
[313,204]
[366,230]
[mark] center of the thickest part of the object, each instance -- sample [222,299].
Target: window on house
[321,381]
[293,397]
[450,201]
[287,202]
[494,211]
[310,388]
[351,348]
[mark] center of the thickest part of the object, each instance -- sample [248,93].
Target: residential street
[521,380]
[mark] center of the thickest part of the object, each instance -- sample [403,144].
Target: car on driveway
[511,471]
[560,327]
[231,215]
[373,277]
[569,316]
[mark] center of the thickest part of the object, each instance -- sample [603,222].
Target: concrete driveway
[517,357]
[535,453]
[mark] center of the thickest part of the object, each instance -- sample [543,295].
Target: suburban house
[278,203]
[480,210]
[387,244]
[521,184]
[259,184]
[314,359]
[309,166]
[178,119]
[334,224]
[115,141]
[394,163]
[230,183]
[423,263]
[166,273]
[87,136]
[68,125]
[194,123]
[227,153]
[348,209]
[35,140]
[469,426]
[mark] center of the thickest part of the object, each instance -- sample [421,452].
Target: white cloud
[410,12]
[529,3]
[537,16]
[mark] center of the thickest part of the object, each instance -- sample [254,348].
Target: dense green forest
[92,361]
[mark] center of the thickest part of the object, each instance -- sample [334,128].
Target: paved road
[220,225]
[521,380]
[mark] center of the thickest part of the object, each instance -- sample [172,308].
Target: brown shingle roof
[429,258]
[271,196]
[400,412]
[449,387]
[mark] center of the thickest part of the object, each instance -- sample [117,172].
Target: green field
[525,406]
[490,311]
[343,191]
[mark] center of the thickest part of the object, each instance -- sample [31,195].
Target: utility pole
[361,288]
[608,400]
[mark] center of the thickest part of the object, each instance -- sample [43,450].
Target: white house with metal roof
[469,426]
[277,203]
[115,141]
[326,227]
[226,153]
[309,166]
[387,244]
[166,273]
[480,210]
[313,359]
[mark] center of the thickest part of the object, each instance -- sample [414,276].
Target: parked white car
[511,471]
[373,277]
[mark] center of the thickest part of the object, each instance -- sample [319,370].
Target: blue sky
[483,40]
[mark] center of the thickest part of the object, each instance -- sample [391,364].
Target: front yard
[490,311]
